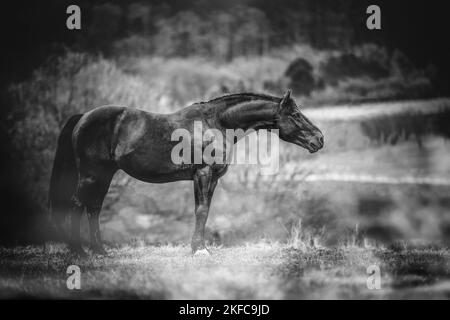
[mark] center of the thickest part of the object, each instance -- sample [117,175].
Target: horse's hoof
[202,252]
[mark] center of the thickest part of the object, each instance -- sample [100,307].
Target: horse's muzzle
[315,144]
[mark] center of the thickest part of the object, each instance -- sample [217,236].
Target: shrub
[132,46]
[391,129]
[301,78]
[350,65]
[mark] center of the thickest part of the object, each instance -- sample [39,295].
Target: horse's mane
[230,99]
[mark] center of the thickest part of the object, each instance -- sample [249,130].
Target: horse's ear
[286,98]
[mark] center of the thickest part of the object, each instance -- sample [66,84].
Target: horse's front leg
[204,185]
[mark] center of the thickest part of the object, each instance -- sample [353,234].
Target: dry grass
[261,270]
[169,272]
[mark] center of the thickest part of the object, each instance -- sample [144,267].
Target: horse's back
[136,141]
[143,146]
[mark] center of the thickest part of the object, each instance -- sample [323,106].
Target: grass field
[374,193]
[263,270]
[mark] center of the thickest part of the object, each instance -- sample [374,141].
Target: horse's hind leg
[75,216]
[95,192]
[93,213]
[92,187]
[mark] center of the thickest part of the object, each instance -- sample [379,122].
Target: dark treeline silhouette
[217,28]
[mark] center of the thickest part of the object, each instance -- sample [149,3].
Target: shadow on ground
[341,273]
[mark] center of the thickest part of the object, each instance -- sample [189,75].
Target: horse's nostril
[314,145]
[321,140]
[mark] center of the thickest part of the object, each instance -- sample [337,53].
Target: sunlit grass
[263,270]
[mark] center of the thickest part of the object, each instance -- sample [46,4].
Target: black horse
[94,145]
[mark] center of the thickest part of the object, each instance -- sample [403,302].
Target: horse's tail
[64,178]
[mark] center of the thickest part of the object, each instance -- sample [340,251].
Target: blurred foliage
[394,129]
[73,83]
[216,29]
[77,82]
[300,74]
[351,65]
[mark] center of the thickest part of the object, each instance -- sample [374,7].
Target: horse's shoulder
[197,111]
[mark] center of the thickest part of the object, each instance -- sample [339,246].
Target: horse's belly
[154,169]
[162,178]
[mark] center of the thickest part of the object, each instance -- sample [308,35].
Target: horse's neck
[249,115]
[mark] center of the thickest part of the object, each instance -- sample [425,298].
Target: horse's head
[294,127]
